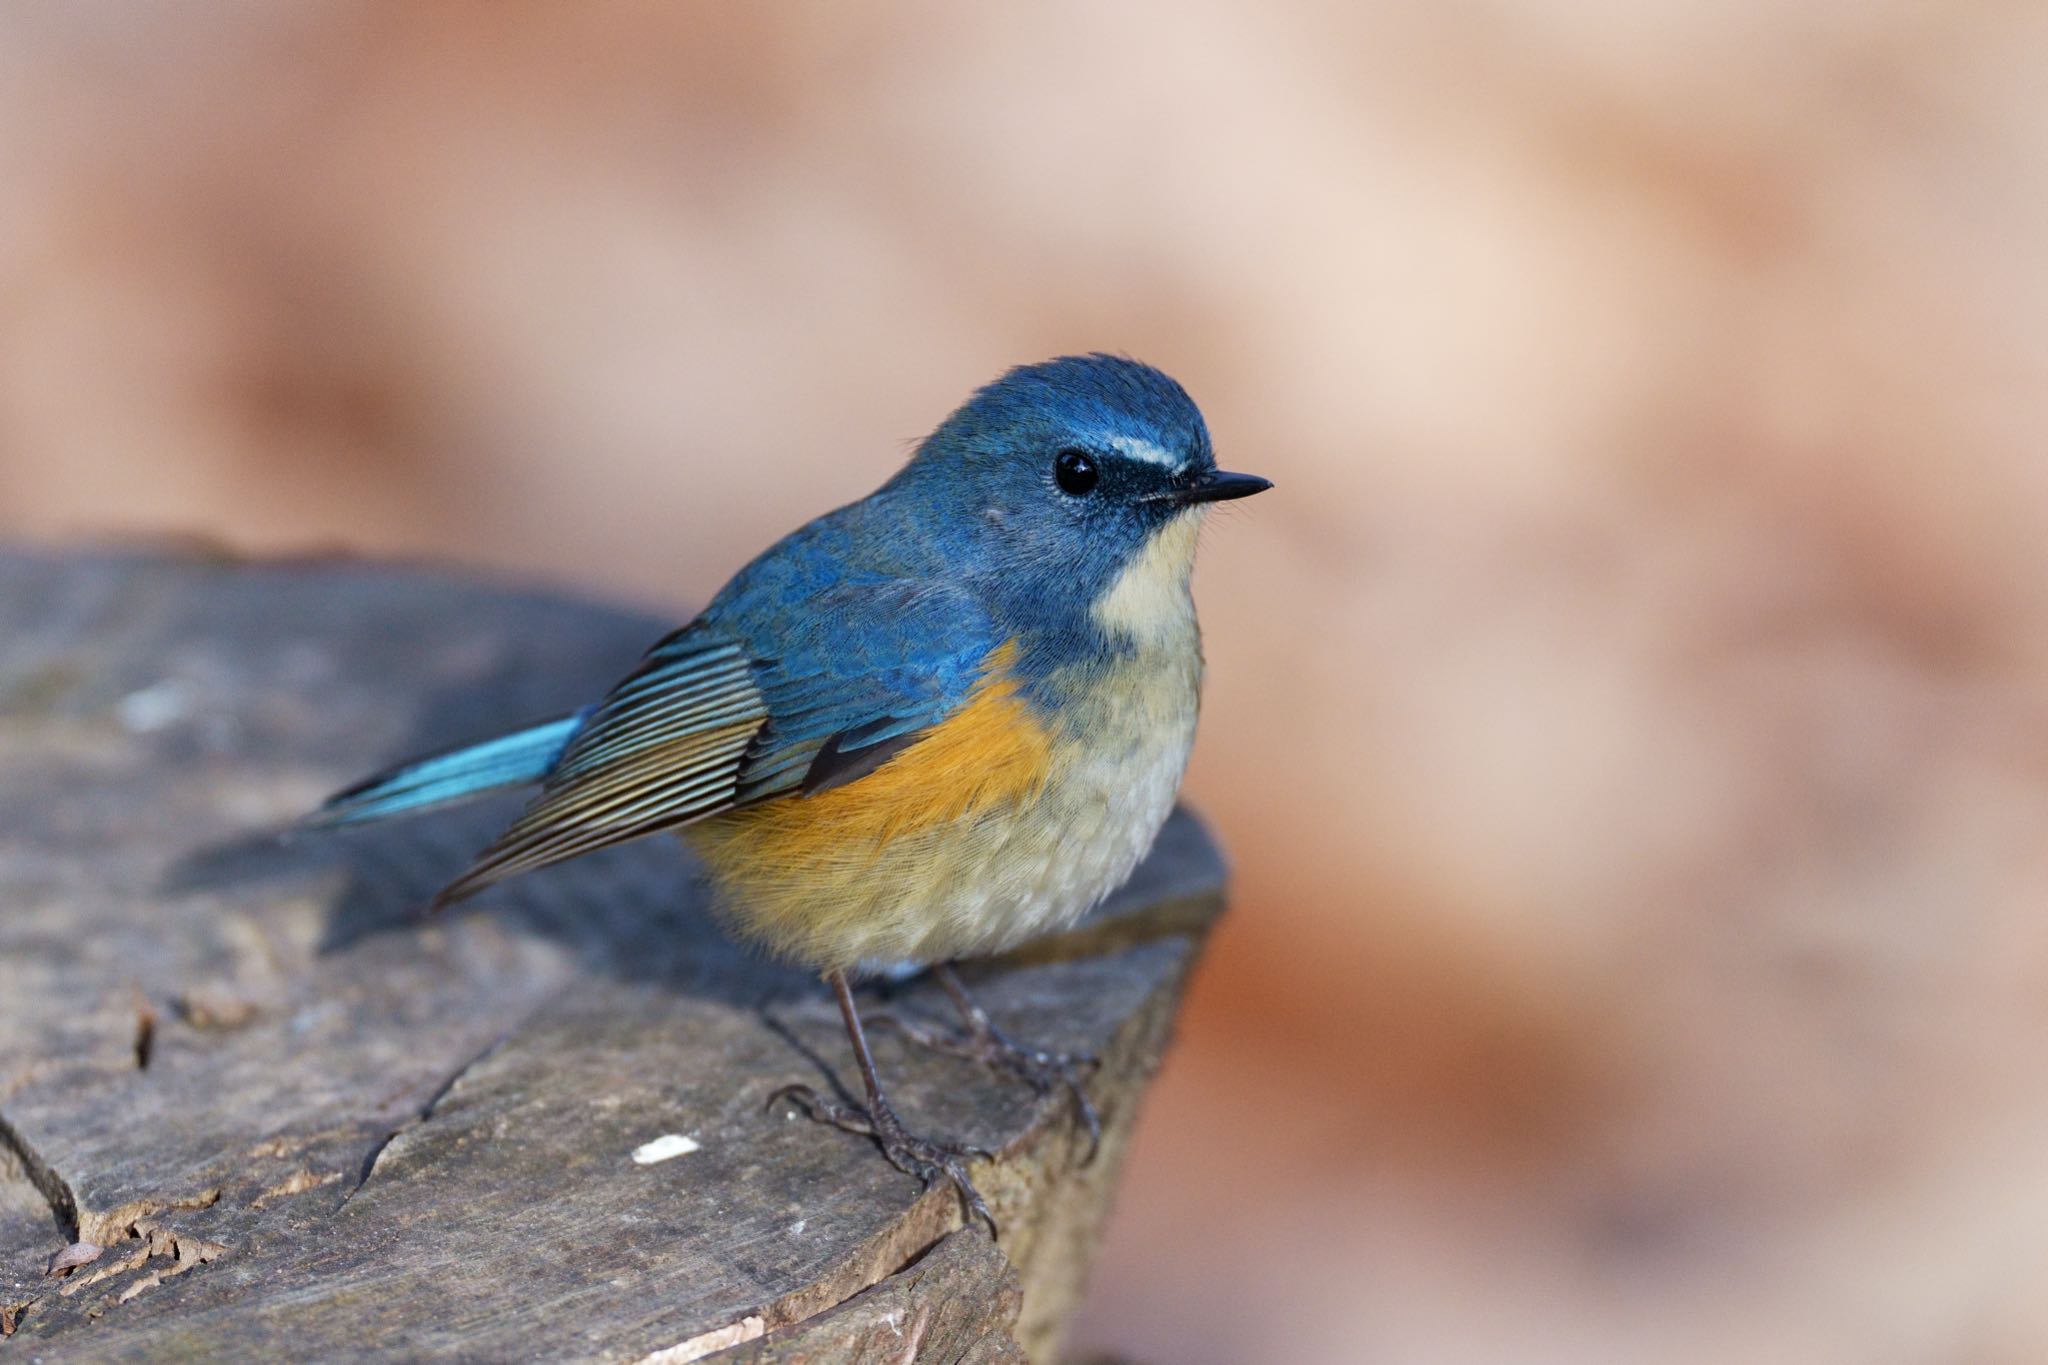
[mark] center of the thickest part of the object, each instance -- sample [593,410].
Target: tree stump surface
[298,1121]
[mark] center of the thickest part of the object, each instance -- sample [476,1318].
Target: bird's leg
[928,1160]
[1044,1071]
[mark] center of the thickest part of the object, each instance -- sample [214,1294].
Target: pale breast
[1116,781]
[1124,731]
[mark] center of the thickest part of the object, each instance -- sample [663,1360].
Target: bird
[928,726]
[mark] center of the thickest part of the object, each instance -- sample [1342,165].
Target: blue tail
[507,761]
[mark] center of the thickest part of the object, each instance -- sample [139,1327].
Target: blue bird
[930,725]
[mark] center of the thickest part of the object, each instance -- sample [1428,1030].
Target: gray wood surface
[297,1121]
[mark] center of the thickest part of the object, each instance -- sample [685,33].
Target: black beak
[1218,486]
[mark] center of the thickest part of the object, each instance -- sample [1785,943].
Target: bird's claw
[1043,1070]
[926,1158]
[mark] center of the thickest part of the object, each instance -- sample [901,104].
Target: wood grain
[302,1122]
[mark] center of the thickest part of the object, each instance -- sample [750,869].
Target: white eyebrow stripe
[1143,450]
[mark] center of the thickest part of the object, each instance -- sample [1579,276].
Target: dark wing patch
[852,754]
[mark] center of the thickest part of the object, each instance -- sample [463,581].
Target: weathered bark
[301,1122]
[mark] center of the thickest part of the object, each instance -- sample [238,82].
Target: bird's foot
[1043,1070]
[928,1159]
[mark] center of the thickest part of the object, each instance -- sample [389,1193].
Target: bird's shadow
[640,912]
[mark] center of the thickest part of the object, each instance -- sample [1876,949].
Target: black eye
[1075,470]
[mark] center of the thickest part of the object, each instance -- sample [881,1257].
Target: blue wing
[763,696]
[856,678]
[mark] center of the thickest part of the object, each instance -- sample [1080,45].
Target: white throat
[1150,602]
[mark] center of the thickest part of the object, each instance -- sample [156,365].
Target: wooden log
[288,1119]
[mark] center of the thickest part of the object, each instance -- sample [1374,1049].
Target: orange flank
[807,864]
[990,752]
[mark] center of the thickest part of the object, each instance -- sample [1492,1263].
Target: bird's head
[1077,482]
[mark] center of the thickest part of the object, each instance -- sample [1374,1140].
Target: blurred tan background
[1629,718]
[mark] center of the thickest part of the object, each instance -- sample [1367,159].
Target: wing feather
[755,704]
[664,748]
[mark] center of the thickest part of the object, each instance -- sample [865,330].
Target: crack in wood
[55,1190]
[145,1036]
[425,1112]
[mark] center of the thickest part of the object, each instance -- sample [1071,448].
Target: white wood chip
[663,1148]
